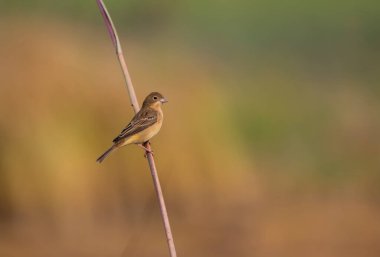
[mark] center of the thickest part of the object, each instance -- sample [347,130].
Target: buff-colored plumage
[144,125]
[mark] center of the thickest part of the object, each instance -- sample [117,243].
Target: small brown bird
[144,125]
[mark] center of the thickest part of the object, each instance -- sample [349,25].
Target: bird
[144,125]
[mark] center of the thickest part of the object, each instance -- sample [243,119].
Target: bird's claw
[148,151]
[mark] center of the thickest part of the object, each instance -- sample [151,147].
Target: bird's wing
[141,121]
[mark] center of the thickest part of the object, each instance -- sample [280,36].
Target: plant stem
[160,196]
[132,95]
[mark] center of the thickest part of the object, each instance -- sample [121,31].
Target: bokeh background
[271,140]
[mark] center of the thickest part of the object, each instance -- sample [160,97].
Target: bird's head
[154,98]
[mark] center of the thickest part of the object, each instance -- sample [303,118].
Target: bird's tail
[103,156]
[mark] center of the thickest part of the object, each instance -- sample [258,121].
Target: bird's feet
[146,150]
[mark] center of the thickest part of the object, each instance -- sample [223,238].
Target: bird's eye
[155,97]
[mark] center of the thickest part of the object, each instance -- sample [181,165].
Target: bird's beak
[163,100]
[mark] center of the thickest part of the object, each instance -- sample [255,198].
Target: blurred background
[271,140]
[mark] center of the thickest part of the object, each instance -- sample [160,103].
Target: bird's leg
[146,149]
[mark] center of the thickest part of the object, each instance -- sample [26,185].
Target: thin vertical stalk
[120,56]
[160,196]
[132,95]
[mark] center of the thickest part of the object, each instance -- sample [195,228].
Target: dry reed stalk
[132,96]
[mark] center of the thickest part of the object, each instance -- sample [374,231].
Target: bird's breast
[148,133]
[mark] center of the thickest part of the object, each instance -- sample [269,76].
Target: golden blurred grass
[63,100]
